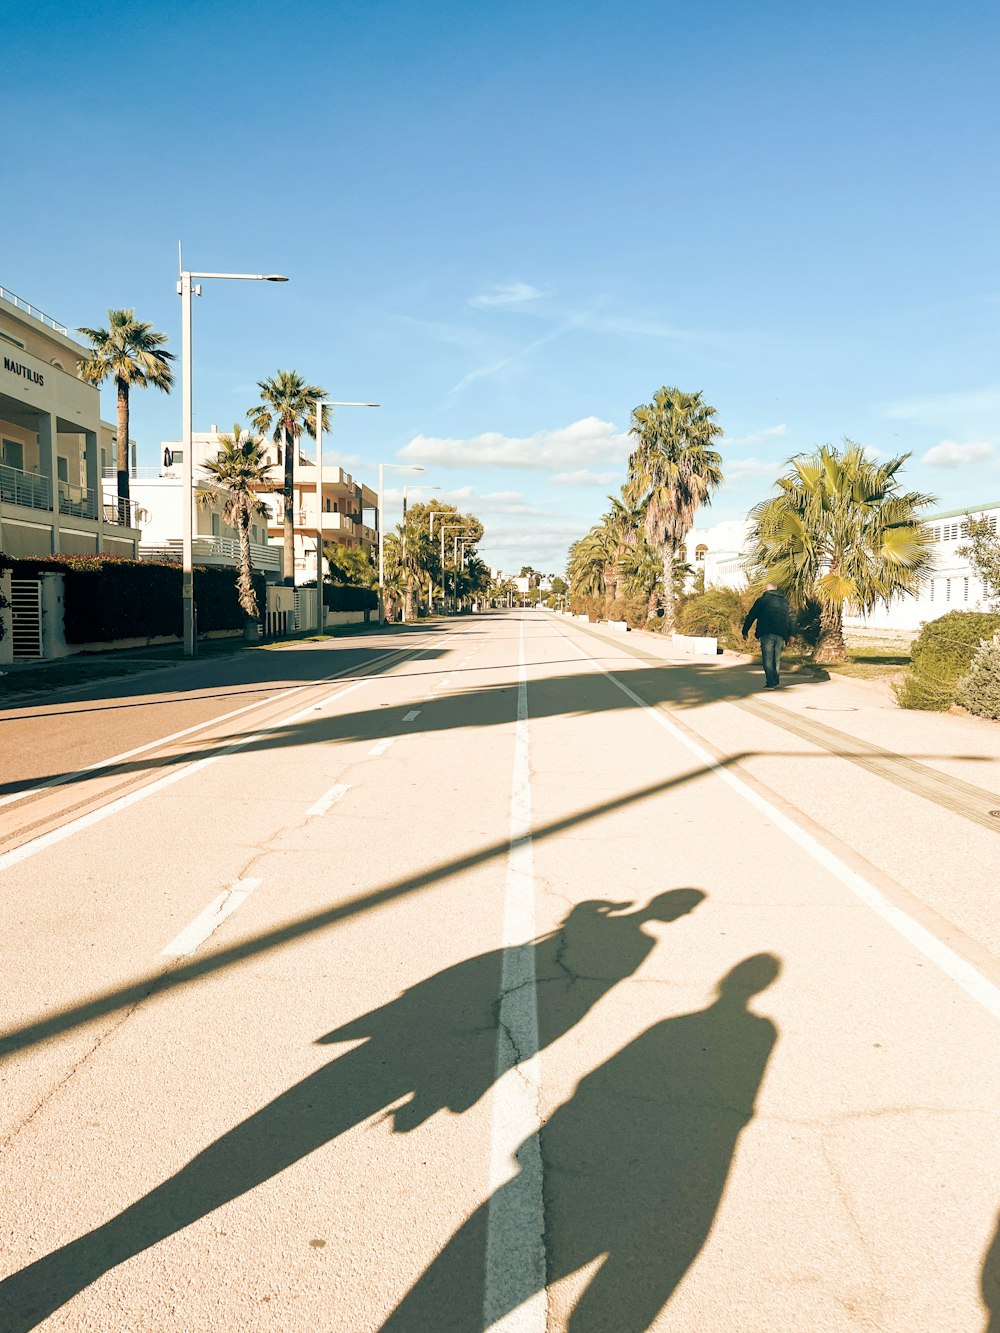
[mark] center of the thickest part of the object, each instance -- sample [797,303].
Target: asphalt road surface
[497,974]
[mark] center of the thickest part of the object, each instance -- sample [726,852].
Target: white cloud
[566,449]
[949,453]
[506,294]
[743,469]
[584,477]
[758,436]
[942,408]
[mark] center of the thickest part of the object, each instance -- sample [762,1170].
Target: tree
[288,406]
[673,470]
[841,530]
[558,585]
[133,352]
[351,565]
[983,553]
[239,471]
[642,574]
[418,527]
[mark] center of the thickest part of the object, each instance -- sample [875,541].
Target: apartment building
[53,444]
[345,505]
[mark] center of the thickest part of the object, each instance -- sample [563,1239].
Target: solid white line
[209,921]
[413,713]
[64,778]
[324,803]
[951,964]
[54,836]
[380,747]
[515,1229]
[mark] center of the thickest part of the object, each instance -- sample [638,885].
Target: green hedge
[109,597]
[942,655]
[341,597]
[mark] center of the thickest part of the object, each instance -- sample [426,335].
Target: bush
[979,691]
[341,597]
[717,613]
[942,655]
[110,597]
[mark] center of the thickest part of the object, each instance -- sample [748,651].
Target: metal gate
[26,617]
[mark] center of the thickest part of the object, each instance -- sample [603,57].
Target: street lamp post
[396,467]
[406,490]
[436,513]
[448,527]
[188,285]
[320,404]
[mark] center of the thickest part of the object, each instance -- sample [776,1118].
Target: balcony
[215,551]
[78,502]
[27,489]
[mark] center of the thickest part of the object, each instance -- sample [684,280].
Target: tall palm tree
[239,472]
[642,572]
[133,352]
[673,470]
[841,530]
[287,407]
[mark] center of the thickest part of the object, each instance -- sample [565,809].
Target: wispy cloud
[944,408]
[494,367]
[506,294]
[566,449]
[745,469]
[951,454]
[759,436]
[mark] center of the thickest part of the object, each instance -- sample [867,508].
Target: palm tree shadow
[991,1283]
[432,1048]
[635,1164]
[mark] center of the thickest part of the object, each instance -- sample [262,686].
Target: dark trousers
[770,656]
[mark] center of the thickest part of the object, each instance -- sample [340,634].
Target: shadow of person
[991,1283]
[635,1164]
[432,1048]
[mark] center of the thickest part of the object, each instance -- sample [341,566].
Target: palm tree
[673,470]
[133,352]
[288,406]
[239,471]
[642,573]
[841,530]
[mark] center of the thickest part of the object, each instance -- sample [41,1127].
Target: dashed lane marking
[328,798]
[381,746]
[208,921]
[413,713]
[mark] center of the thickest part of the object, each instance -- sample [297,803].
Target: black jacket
[771,613]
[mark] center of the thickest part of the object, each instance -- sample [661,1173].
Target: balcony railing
[215,551]
[120,513]
[24,488]
[77,501]
[33,311]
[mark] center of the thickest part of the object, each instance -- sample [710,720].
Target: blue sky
[512,223]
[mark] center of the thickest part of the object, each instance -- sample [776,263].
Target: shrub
[979,691]
[942,655]
[342,597]
[110,597]
[717,613]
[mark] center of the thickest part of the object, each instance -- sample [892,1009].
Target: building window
[12,454]
[947,590]
[931,586]
[965,591]
[700,552]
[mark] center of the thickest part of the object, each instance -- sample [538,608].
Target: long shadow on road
[634,1167]
[434,1045]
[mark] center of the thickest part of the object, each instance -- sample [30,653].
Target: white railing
[33,311]
[214,550]
[77,501]
[24,488]
[141,473]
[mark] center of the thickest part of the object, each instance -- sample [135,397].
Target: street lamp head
[275,277]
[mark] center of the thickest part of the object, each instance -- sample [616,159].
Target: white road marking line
[50,839]
[324,803]
[207,922]
[413,713]
[951,964]
[64,778]
[515,1228]
[381,746]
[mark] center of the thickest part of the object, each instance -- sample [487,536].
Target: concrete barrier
[695,645]
[621,626]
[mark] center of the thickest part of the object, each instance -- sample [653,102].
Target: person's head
[671,905]
[771,587]
[750,977]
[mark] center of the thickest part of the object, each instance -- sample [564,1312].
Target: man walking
[774,629]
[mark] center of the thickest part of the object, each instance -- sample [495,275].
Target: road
[501,973]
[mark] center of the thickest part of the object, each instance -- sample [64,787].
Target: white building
[53,444]
[157,493]
[951,586]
